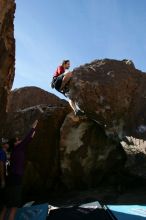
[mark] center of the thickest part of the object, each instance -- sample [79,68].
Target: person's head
[5,144]
[13,142]
[66,64]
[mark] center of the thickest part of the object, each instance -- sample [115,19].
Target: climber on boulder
[60,78]
[60,81]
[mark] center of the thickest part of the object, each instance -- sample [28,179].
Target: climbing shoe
[79,113]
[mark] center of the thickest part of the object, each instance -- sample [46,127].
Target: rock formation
[7,52]
[112,93]
[76,152]
[67,150]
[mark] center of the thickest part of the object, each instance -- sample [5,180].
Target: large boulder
[112,93]
[7,52]
[31,96]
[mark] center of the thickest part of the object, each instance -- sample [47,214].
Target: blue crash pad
[35,212]
[127,212]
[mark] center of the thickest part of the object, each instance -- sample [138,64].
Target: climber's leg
[58,83]
[66,79]
[75,109]
[73,105]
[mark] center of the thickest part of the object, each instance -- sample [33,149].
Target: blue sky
[48,31]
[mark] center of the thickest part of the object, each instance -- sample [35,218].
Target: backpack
[53,82]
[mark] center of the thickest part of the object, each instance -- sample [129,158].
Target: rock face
[7,51]
[87,156]
[136,157]
[112,93]
[31,96]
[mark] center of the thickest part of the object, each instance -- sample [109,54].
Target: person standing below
[3,169]
[61,79]
[3,161]
[17,166]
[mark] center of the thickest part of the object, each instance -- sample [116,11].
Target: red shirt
[60,70]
